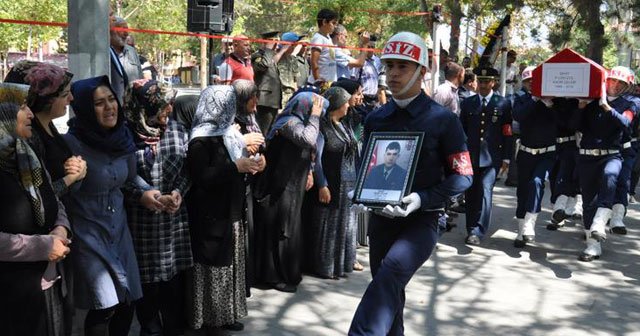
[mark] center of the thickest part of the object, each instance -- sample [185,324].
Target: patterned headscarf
[47,81]
[148,100]
[298,107]
[215,117]
[17,157]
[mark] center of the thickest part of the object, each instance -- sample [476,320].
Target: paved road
[493,289]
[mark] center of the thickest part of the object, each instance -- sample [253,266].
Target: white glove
[360,208]
[350,194]
[412,202]
[547,101]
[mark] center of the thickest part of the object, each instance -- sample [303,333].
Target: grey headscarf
[215,117]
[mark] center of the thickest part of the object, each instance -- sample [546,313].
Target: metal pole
[204,77]
[435,70]
[503,67]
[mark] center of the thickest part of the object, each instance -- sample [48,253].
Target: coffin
[568,74]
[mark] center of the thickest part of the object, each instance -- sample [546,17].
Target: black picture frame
[380,181]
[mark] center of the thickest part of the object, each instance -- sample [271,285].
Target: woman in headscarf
[184,109]
[34,231]
[355,116]
[291,146]
[218,161]
[49,95]
[354,120]
[332,222]
[106,275]
[246,102]
[161,239]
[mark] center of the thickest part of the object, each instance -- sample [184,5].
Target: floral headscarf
[47,81]
[16,156]
[299,107]
[215,117]
[148,100]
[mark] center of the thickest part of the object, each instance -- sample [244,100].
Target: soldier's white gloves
[357,208]
[547,101]
[412,203]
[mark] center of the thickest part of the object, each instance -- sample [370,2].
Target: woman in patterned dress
[218,161]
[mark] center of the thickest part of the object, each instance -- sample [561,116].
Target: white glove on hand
[547,101]
[360,208]
[350,194]
[412,202]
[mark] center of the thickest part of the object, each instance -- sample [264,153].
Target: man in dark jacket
[267,78]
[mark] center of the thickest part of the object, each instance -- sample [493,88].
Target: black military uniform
[487,124]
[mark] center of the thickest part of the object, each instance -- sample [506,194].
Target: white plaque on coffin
[565,79]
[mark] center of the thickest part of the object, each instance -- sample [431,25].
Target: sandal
[358,266]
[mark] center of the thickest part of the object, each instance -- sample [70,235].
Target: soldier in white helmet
[536,154]
[602,123]
[404,236]
[629,153]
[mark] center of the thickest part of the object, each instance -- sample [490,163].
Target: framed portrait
[387,170]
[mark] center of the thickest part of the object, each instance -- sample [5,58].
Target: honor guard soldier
[486,119]
[402,238]
[563,179]
[602,123]
[535,157]
[629,153]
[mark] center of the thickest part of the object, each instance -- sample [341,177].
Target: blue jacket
[443,168]
[488,131]
[537,121]
[601,129]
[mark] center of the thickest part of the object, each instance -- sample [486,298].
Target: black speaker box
[210,16]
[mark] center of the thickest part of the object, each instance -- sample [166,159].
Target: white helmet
[622,74]
[527,73]
[406,46]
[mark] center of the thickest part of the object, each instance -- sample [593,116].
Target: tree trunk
[456,18]
[590,12]
[424,7]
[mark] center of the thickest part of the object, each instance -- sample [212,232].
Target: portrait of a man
[388,175]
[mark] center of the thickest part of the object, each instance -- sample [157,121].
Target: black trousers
[161,309]
[112,321]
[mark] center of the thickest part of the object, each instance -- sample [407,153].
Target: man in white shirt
[446,94]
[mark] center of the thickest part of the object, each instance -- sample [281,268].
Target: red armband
[460,163]
[628,114]
[506,130]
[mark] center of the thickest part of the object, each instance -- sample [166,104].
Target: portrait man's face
[390,157]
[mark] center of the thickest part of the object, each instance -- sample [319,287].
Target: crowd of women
[167,208]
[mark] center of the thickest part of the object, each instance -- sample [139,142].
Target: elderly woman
[218,162]
[107,279]
[161,239]
[332,221]
[34,231]
[49,96]
[246,102]
[291,145]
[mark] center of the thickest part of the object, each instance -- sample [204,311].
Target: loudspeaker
[210,16]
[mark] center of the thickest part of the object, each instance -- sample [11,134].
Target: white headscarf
[215,117]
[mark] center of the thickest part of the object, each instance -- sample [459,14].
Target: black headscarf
[84,126]
[184,109]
